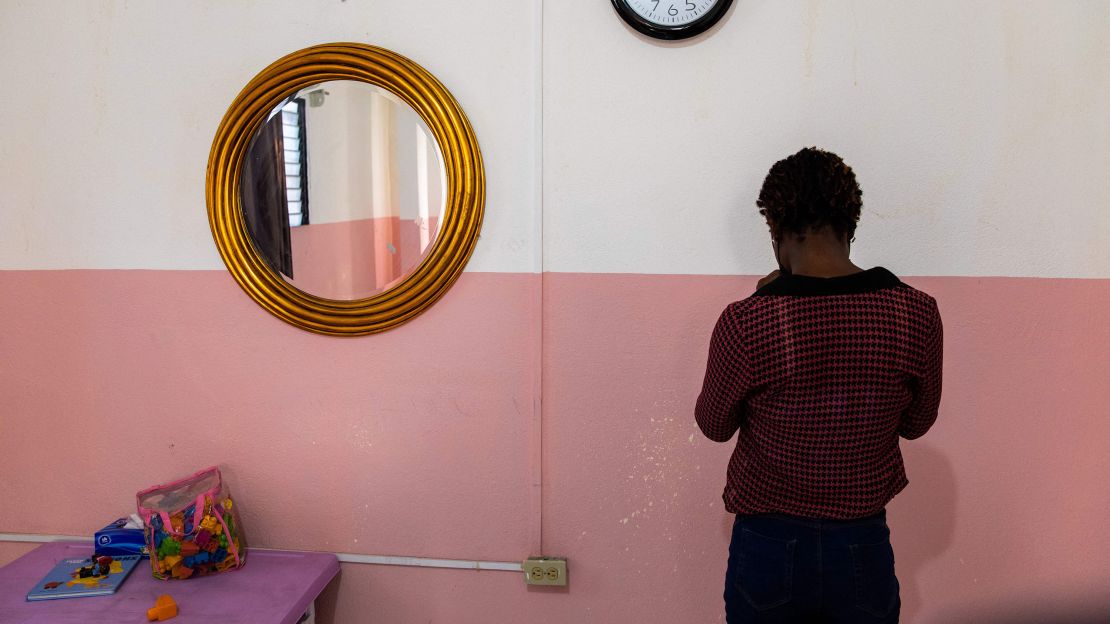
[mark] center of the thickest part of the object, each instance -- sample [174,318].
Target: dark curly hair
[808,190]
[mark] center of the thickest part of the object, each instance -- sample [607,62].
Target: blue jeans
[800,570]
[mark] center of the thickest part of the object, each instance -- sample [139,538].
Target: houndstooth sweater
[820,376]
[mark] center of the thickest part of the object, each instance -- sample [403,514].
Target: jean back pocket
[765,573]
[876,584]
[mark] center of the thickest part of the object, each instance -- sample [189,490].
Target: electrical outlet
[545,571]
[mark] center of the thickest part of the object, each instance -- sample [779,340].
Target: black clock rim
[672,33]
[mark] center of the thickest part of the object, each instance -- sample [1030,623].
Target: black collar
[870,280]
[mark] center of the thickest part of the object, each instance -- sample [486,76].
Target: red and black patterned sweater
[821,376]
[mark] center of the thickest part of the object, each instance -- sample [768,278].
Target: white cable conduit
[418,562]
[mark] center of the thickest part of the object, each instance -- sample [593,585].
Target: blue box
[115,540]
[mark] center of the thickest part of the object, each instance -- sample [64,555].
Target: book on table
[91,576]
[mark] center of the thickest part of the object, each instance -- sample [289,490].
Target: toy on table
[192,527]
[164,609]
[183,548]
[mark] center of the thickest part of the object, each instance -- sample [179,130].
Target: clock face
[671,12]
[671,19]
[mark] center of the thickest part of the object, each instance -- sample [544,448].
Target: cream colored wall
[118,102]
[979,130]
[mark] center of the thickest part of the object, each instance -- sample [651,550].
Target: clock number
[668,19]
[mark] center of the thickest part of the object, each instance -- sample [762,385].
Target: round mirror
[343,190]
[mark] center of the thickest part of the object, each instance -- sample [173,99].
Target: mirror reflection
[343,189]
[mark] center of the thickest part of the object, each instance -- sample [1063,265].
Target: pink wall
[124,378]
[416,441]
[1005,495]
[353,259]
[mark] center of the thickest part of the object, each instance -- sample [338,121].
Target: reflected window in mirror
[275,183]
[296,160]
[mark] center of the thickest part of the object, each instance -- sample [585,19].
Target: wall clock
[671,19]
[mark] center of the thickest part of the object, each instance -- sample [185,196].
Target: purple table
[275,586]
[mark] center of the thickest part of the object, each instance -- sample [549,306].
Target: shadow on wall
[922,519]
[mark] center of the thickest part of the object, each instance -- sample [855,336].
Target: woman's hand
[772,276]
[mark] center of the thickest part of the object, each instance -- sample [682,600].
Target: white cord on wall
[419,562]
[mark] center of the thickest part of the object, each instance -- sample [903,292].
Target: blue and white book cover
[91,576]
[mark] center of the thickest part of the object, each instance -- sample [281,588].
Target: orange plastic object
[164,609]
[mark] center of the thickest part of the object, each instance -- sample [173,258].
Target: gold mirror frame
[458,229]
